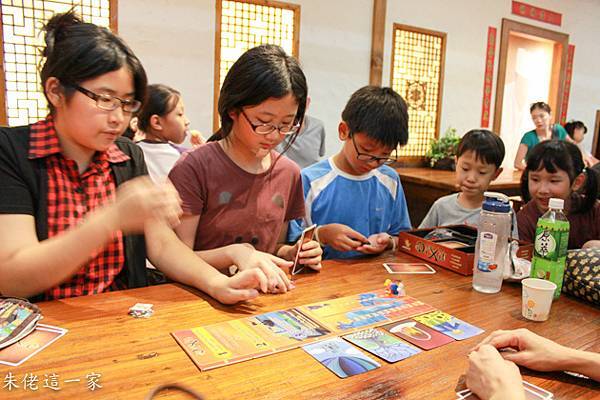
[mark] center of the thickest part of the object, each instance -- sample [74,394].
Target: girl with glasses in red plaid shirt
[76,211]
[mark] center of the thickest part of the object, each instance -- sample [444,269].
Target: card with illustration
[366,310]
[43,336]
[418,334]
[237,340]
[341,358]
[408,268]
[449,325]
[382,344]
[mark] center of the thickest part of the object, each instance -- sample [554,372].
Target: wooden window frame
[113,24]
[509,26]
[217,67]
[421,160]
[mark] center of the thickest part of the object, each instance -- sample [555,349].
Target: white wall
[466,23]
[175,41]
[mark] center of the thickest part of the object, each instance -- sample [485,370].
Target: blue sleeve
[295,228]
[400,217]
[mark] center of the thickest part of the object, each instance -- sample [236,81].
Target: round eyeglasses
[265,129]
[370,158]
[108,102]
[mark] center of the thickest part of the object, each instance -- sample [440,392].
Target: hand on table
[489,376]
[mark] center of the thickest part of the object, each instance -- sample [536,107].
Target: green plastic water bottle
[550,248]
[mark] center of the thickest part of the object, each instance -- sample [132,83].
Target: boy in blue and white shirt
[355,199]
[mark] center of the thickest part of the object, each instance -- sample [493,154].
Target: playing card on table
[418,334]
[382,344]
[340,357]
[449,325]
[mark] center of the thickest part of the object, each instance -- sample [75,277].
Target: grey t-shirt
[309,146]
[447,211]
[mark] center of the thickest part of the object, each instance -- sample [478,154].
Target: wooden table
[134,355]
[423,186]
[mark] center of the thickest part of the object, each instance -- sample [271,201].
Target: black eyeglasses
[371,158]
[108,102]
[265,129]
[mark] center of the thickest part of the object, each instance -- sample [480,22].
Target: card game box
[451,247]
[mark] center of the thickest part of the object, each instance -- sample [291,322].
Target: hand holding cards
[307,235]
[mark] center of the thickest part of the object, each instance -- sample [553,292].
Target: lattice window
[417,75]
[244,24]
[22,21]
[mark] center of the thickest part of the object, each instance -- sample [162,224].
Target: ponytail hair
[77,51]
[160,100]
[560,155]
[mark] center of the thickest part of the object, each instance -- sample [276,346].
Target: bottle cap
[496,202]
[557,204]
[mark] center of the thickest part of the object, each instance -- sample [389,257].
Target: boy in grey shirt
[478,162]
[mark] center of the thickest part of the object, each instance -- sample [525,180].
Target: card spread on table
[408,268]
[382,344]
[36,341]
[449,325]
[341,358]
[418,334]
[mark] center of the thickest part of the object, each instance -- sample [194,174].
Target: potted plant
[442,151]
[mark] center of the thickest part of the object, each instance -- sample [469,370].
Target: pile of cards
[141,310]
[27,347]
[532,392]
[18,318]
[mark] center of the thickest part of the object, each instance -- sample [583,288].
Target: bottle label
[550,250]
[487,252]
[551,239]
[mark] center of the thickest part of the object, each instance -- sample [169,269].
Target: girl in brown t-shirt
[556,169]
[238,192]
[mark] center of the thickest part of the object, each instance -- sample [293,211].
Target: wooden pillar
[377,40]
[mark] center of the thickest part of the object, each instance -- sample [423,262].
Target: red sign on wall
[567,88]
[488,77]
[539,14]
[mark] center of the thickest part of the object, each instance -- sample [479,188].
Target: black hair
[572,125]
[77,51]
[160,100]
[560,155]
[541,105]
[487,146]
[261,73]
[378,112]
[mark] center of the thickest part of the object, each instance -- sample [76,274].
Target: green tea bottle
[550,248]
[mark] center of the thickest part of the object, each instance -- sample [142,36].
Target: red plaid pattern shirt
[71,197]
